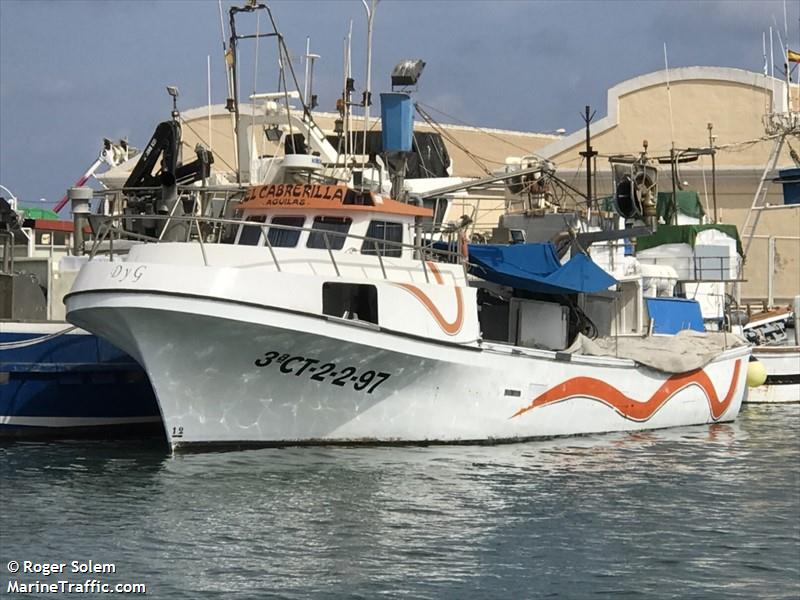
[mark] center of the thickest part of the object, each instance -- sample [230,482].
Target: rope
[217,156]
[473,157]
[732,147]
[34,341]
[484,131]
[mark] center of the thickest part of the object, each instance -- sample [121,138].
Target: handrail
[200,239]
[380,257]
[271,249]
[330,252]
[194,219]
[422,249]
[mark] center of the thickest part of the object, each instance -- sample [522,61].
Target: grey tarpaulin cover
[684,351]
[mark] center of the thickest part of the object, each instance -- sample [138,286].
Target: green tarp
[684,234]
[34,212]
[688,202]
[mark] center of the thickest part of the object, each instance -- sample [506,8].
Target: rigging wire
[436,127]
[422,164]
[217,155]
[731,147]
[482,130]
[705,185]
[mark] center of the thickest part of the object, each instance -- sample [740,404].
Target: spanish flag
[793,56]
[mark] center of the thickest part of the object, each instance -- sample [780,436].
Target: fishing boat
[57,380]
[325,323]
[323,311]
[777,347]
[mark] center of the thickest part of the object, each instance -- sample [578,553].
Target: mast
[233,101]
[711,138]
[588,154]
[367,93]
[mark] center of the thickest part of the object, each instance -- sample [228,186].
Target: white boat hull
[783,375]
[232,374]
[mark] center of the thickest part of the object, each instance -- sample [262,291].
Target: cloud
[73,72]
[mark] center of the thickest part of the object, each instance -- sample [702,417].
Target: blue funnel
[397,116]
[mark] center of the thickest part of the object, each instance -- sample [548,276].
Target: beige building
[648,108]
[735,102]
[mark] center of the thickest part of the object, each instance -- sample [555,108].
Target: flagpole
[766,64]
[772,64]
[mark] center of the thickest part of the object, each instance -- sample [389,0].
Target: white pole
[344,108]
[208,78]
[770,271]
[772,68]
[785,51]
[796,309]
[785,26]
[305,81]
[349,75]
[669,97]
[766,65]
[370,15]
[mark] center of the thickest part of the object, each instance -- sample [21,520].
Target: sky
[74,72]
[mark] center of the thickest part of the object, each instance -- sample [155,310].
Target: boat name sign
[294,194]
[122,273]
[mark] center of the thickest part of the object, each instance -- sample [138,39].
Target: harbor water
[697,512]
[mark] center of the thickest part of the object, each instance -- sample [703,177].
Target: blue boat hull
[71,385]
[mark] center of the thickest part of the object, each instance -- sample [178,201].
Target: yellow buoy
[756,373]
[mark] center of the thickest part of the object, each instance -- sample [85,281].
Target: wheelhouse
[329,218]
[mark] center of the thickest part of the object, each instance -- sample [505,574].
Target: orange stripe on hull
[449,327]
[594,389]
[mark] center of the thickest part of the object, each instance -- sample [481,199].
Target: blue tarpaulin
[671,315]
[535,267]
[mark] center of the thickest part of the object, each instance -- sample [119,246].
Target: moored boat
[777,347]
[57,381]
[333,318]
[323,323]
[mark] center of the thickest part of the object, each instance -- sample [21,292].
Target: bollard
[80,202]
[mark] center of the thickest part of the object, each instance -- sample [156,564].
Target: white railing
[107,229]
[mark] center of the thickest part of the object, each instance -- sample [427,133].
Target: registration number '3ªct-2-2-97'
[299,366]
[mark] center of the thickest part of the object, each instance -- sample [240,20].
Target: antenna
[785,25]
[309,98]
[588,154]
[766,65]
[208,79]
[772,66]
[367,93]
[669,98]
[672,156]
[785,51]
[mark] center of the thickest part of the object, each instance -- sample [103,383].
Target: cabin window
[338,226]
[517,236]
[285,238]
[251,235]
[353,301]
[387,232]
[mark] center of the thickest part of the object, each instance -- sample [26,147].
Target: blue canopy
[671,315]
[535,267]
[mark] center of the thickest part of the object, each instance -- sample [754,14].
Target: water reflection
[704,509]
